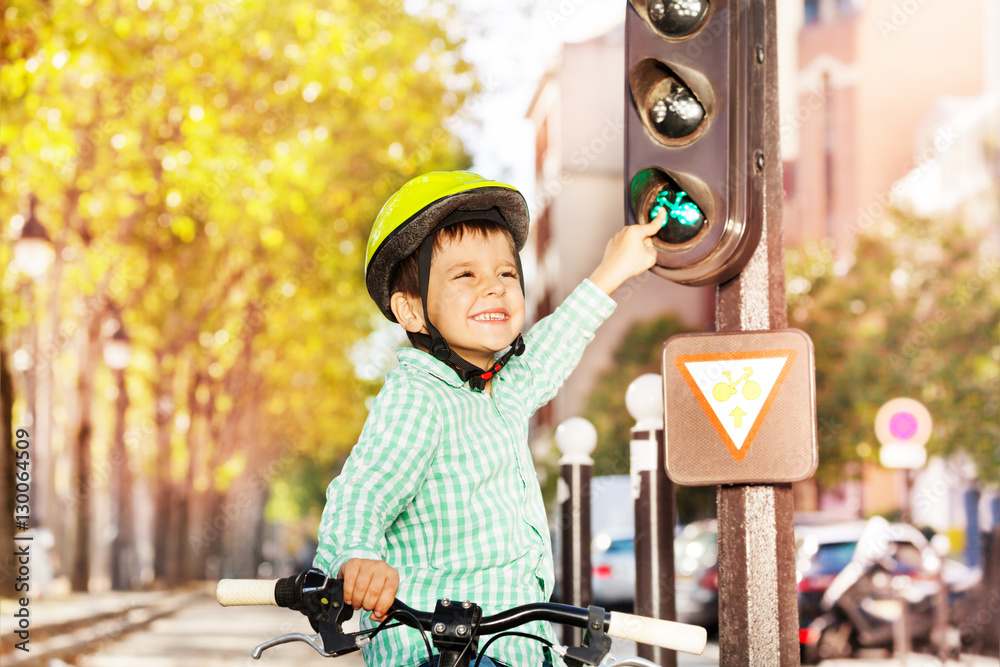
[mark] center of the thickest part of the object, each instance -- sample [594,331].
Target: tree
[8,564]
[914,311]
[212,169]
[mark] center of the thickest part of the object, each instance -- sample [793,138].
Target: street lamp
[33,255]
[117,354]
[33,250]
[118,349]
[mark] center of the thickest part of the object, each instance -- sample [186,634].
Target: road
[207,635]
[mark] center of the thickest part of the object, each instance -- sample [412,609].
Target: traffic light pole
[758,607]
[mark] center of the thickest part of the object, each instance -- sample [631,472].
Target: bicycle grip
[667,634]
[235,592]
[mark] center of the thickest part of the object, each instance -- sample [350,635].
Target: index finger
[656,223]
[349,573]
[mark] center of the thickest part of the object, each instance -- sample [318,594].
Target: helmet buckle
[440,349]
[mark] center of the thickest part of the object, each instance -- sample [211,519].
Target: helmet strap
[435,343]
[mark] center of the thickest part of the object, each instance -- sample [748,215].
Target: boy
[439,497]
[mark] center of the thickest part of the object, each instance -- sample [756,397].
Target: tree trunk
[124,559]
[185,505]
[7,565]
[82,488]
[244,514]
[162,566]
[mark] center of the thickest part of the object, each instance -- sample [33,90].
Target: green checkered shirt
[441,485]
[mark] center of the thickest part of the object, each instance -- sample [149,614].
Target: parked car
[824,546]
[611,513]
[612,561]
[696,574]
[695,567]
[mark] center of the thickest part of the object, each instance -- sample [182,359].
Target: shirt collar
[426,362]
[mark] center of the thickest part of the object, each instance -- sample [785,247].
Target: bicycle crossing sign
[739,407]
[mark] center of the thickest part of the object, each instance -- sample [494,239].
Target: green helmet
[415,210]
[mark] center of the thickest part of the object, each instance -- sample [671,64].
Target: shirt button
[355,480]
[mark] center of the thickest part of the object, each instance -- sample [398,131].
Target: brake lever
[321,600]
[343,644]
[311,640]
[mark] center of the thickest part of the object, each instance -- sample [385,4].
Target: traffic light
[693,142]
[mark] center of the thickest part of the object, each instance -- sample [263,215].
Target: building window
[829,141]
[812,11]
[543,234]
[541,146]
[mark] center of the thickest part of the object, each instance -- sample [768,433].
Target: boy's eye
[464,274]
[509,274]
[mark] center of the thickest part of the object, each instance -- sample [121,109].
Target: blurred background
[187,190]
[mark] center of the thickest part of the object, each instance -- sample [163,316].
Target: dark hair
[406,275]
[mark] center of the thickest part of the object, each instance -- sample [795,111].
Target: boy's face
[474,296]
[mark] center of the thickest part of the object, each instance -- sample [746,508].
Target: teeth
[490,316]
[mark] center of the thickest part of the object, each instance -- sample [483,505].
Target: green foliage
[916,314]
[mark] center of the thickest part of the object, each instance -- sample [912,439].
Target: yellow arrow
[738,415]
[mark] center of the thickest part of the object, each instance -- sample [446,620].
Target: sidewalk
[69,625]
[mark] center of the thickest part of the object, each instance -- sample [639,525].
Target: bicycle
[723,390]
[455,627]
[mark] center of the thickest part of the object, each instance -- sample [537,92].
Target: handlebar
[321,599]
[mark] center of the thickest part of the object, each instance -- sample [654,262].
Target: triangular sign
[736,390]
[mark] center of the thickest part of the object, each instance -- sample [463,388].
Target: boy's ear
[409,312]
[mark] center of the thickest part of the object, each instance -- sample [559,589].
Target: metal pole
[654,536]
[758,606]
[576,438]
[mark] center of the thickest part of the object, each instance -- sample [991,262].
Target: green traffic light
[685,218]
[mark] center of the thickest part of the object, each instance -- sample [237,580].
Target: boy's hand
[628,253]
[371,584]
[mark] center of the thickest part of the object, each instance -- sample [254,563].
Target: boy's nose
[495,285]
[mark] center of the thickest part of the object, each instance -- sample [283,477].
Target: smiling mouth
[490,317]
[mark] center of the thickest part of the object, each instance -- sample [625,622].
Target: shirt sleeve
[554,345]
[380,477]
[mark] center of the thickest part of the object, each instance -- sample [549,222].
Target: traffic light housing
[693,132]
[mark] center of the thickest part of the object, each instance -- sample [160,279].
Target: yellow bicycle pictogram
[723,390]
